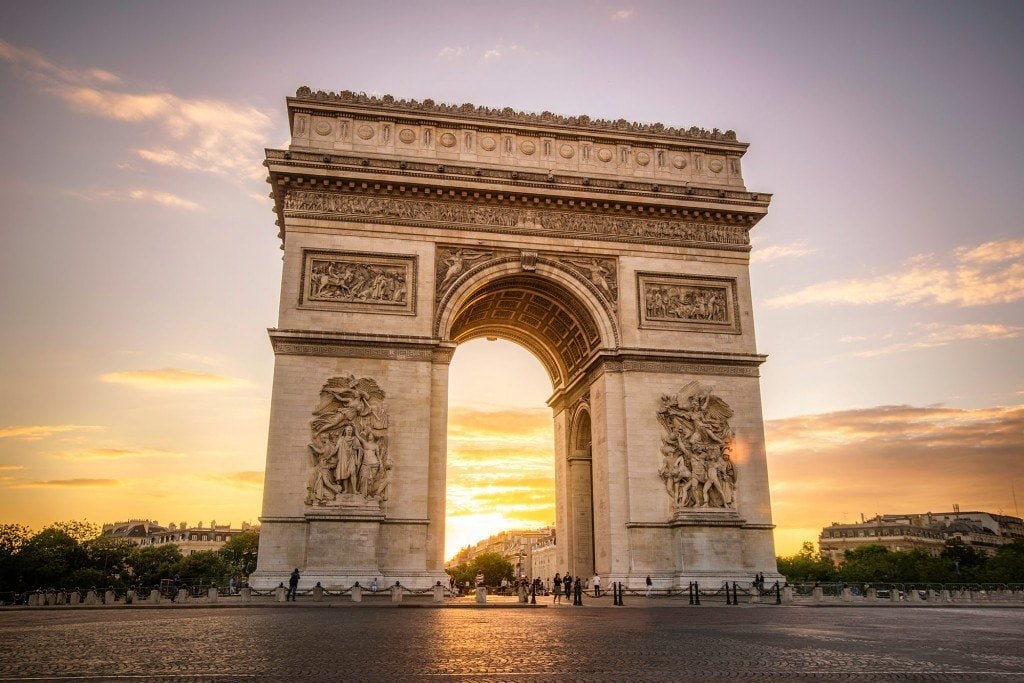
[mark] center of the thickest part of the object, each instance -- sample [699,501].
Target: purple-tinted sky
[140,265]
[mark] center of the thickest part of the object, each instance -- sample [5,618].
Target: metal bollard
[690,588]
[696,592]
[778,594]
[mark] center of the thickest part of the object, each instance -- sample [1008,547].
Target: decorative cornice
[511,116]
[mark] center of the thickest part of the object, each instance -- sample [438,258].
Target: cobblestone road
[303,643]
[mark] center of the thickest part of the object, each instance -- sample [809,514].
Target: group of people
[573,587]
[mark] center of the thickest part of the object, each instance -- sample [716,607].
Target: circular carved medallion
[365,132]
[716,166]
[488,143]
[407,135]
[604,155]
[527,147]
[679,162]
[447,140]
[566,151]
[322,128]
[643,158]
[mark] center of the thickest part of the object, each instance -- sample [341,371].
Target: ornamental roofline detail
[509,116]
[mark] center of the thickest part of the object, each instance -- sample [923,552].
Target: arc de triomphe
[617,253]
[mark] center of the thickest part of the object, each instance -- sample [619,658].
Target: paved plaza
[319,642]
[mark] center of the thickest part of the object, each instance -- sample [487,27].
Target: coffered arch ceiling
[536,312]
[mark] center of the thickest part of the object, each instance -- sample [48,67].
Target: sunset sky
[140,265]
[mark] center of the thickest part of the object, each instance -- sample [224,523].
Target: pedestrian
[373,585]
[650,584]
[231,586]
[293,585]
[567,582]
[577,590]
[597,585]
[558,587]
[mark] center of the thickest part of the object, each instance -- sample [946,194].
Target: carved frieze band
[681,367]
[319,348]
[689,303]
[514,219]
[598,273]
[358,282]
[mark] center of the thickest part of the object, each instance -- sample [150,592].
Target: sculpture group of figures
[696,467]
[354,281]
[349,447]
[686,303]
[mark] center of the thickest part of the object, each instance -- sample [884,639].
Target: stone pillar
[90,597]
[318,593]
[212,594]
[280,593]
[130,596]
[872,595]
[62,598]
[944,596]
[787,595]
[438,592]
[913,596]
[396,592]
[75,598]
[246,594]
[847,594]
[357,593]
[481,594]
[154,596]
[817,594]
[32,600]
[109,598]
[50,598]
[183,596]
[894,595]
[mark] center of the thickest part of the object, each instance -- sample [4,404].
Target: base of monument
[337,581]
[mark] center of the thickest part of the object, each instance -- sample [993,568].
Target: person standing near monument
[577,590]
[557,587]
[650,584]
[567,582]
[597,585]
[293,585]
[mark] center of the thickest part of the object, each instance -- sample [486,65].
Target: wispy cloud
[452,51]
[11,468]
[137,195]
[623,14]
[36,432]
[71,483]
[891,459]
[991,273]
[936,335]
[112,453]
[244,479]
[776,252]
[502,50]
[172,378]
[195,134]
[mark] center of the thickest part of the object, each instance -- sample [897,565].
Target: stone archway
[616,253]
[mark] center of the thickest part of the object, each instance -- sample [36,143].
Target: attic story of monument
[616,253]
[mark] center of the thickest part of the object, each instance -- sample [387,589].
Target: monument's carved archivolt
[615,252]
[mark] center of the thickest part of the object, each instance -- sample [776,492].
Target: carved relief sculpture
[504,218]
[696,449]
[686,302]
[349,444]
[453,262]
[357,281]
[600,272]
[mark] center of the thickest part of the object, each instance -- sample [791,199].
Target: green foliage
[240,552]
[152,563]
[80,531]
[806,565]
[207,565]
[493,566]
[85,579]
[109,555]
[1006,566]
[48,558]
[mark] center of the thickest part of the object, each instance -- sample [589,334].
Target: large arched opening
[552,314]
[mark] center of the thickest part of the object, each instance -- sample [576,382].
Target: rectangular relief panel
[358,281]
[687,303]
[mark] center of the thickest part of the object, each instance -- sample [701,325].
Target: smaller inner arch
[536,312]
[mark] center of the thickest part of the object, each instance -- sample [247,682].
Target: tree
[207,565]
[240,552]
[493,566]
[1005,566]
[152,563]
[806,565]
[13,538]
[48,558]
[109,555]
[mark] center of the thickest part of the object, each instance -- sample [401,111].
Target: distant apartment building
[928,531]
[189,539]
[516,545]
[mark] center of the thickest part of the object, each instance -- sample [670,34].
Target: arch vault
[616,253]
